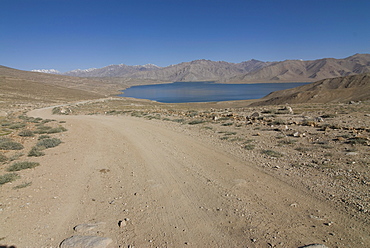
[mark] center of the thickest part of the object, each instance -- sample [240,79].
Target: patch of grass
[224,138]
[223,119]
[178,120]
[358,140]
[329,116]
[138,114]
[57,130]
[327,146]
[7,178]
[46,121]
[268,111]
[302,149]
[8,144]
[3,158]
[209,128]
[42,129]
[287,142]
[23,185]
[17,125]
[156,117]
[248,141]
[229,133]
[36,152]
[227,124]
[195,122]
[249,147]
[26,133]
[43,137]
[22,166]
[48,143]
[16,156]
[49,130]
[272,153]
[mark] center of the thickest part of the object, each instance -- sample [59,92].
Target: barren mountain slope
[297,70]
[200,70]
[341,89]
[85,84]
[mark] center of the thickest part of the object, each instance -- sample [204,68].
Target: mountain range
[247,71]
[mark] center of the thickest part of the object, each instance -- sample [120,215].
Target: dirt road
[165,189]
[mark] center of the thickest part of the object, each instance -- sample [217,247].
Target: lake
[181,92]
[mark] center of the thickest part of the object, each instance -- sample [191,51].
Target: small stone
[86,242]
[351,153]
[122,223]
[87,227]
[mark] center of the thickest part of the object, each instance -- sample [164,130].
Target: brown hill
[84,84]
[309,71]
[341,89]
[21,87]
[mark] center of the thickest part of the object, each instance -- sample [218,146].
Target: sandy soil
[152,184]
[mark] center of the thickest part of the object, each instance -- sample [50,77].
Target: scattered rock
[351,153]
[255,114]
[314,246]
[86,242]
[122,223]
[289,110]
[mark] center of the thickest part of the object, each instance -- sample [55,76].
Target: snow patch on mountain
[50,71]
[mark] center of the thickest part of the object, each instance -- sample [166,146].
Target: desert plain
[121,172]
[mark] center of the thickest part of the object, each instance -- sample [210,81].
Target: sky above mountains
[71,34]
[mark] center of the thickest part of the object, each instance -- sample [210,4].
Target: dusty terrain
[193,175]
[136,173]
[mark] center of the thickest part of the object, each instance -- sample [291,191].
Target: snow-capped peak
[85,70]
[50,71]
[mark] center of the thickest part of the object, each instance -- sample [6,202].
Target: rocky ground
[325,147]
[305,153]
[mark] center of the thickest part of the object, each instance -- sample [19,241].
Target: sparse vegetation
[3,158]
[7,178]
[22,166]
[48,143]
[15,156]
[41,137]
[26,133]
[8,144]
[49,130]
[36,151]
[272,153]
[17,125]
[23,185]
[249,147]
[358,140]
[227,124]
[195,122]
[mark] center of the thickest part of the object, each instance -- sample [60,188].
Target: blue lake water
[180,92]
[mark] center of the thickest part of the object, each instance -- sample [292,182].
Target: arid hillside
[340,89]
[309,71]
[100,87]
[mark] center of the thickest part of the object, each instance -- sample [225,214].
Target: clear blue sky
[71,34]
